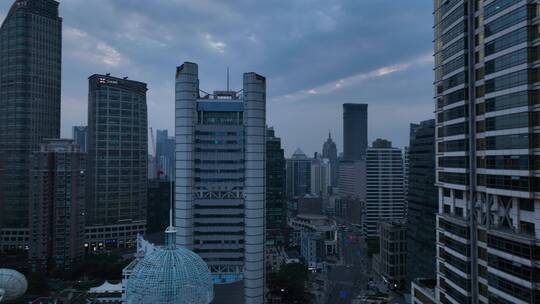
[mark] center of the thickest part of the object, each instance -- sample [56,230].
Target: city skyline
[100,43]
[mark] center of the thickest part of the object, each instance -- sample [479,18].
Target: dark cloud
[316,54]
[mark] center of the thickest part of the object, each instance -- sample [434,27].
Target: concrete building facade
[57,205]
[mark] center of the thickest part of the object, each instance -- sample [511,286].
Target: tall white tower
[220,178]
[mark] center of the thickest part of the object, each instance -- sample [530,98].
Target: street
[350,278]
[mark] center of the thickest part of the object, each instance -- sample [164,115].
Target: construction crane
[155,159]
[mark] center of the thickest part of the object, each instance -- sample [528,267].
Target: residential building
[486,81]
[298,169]
[165,146]
[276,204]
[329,152]
[391,261]
[221,178]
[57,200]
[384,190]
[117,151]
[321,178]
[355,117]
[80,135]
[30,80]
[422,202]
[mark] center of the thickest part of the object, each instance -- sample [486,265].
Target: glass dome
[170,275]
[13,284]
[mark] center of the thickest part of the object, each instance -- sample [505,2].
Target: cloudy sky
[316,55]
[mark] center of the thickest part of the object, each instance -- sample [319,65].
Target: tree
[290,283]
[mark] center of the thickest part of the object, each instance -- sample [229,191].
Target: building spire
[329,134]
[170,232]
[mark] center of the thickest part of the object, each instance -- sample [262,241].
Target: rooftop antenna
[227,79]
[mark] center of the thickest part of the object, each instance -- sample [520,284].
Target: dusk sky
[315,54]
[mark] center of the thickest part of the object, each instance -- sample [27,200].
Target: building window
[527,228]
[526,204]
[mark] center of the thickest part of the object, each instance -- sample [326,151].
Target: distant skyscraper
[220,178]
[486,96]
[422,202]
[384,193]
[165,153]
[276,204]
[298,175]
[320,176]
[80,135]
[30,74]
[117,150]
[157,214]
[329,151]
[57,199]
[355,128]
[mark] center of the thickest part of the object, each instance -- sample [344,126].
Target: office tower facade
[329,151]
[117,151]
[355,128]
[80,135]
[487,140]
[276,204]
[57,200]
[384,188]
[30,74]
[165,153]
[298,169]
[321,176]
[220,178]
[422,202]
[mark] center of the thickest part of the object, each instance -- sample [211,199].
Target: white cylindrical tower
[255,186]
[187,92]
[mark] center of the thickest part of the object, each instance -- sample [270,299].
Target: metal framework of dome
[170,275]
[13,284]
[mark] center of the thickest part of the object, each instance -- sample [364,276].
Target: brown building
[57,199]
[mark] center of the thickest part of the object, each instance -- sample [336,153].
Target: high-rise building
[384,189]
[405,171]
[298,169]
[276,204]
[486,85]
[165,153]
[422,202]
[355,128]
[30,75]
[220,178]
[57,200]
[157,211]
[80,135]
[329,151]
[117,150]
[321,174]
